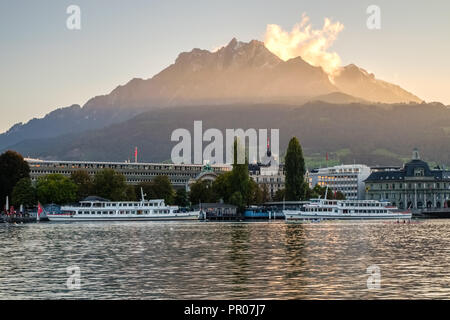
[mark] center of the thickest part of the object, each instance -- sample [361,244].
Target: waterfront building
[268,172]
[181,175]
[348,179]
[217,211]
[414,186]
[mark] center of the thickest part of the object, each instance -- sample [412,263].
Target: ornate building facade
[415,186]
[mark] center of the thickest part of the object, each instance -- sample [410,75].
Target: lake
[225,260]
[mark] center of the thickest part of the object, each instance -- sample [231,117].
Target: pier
[218,212]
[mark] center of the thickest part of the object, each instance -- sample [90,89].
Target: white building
[269,173]
[348,179]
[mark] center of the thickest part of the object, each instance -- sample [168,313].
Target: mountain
[358,82]
[237,73]
[63,121]
[374,134]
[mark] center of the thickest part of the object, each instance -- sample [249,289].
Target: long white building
[179,174]
[348,179]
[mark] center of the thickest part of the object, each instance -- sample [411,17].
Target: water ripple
[197,260]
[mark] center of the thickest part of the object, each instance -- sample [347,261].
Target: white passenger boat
[322,209]
[97,209]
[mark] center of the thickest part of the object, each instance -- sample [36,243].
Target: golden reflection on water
[198,260]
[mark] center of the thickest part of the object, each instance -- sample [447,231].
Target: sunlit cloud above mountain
[303,40]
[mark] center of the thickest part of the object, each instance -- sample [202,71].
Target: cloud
[304,41]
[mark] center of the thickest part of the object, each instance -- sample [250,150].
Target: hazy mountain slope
[62,121]
[371,134]
[359,83]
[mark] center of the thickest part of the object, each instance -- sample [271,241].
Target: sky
[45,66]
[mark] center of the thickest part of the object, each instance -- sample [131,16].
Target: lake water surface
[207,260]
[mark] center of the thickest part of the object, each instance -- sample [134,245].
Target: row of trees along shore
[234,187]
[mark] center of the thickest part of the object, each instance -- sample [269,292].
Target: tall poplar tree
[294,167]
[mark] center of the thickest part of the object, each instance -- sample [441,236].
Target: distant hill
[374,134]
[239,73]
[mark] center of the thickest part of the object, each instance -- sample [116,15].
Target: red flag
[327,156]
[39,211]
[135,154]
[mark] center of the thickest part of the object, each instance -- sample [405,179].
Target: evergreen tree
[239,178]
[295,171]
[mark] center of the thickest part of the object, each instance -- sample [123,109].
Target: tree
[24,193]
[159,188]
[84,183]
[295,171]
[319,191]
[130,194]
[56,188]
[222,186]
[239,178]
[279,195]
[163,189]
[202,191]
[257,193]
[339,196]
[147,189]
[265,193]
[237,199]
[12,169]
[181,198]
[111,185]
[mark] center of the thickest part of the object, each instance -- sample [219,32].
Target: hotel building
[181,175]
[348,179]
[414,186]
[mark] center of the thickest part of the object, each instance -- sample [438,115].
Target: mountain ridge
[371,133]
[239,72]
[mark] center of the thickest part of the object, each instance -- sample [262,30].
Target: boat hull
[155,217]
[296,216]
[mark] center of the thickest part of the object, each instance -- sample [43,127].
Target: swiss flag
[39,211]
